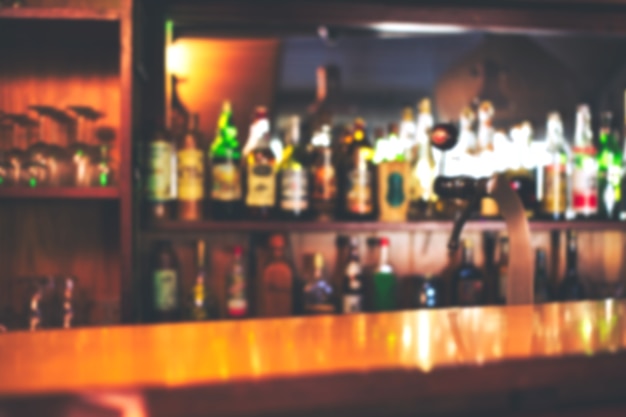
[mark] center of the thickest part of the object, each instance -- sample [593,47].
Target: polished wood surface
[87,193]
[176,355]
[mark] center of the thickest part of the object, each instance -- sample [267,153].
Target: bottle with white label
[165,285]
[293,176]
[352,297]
[159,182]
[585,167]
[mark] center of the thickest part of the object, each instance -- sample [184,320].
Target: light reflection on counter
[427,340]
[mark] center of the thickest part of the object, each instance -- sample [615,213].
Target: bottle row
[48,146]
[278,289]
[324,172]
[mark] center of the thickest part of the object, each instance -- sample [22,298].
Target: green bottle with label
[165,285]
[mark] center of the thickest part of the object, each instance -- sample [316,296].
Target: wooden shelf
[107,193]
[196,227]
[48,13]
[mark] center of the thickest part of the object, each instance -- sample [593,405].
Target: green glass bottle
[609,170]
[384,281]
[225,154]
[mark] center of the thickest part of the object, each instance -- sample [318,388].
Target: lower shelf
[87,193]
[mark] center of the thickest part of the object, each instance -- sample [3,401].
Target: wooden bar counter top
[459,361]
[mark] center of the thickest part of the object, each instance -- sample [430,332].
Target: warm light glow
[401,27]
[177,59]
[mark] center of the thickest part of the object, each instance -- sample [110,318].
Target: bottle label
[237,304]
[159,171]
[226,182]
[352,303]
[294,190]
[359,193]
[470,292]
[190,174]
[324,183]
[555,195]
[165,289]
[198,295]
[261,185]
[585,185]
[395,189]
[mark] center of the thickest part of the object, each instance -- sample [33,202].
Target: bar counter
[455,361]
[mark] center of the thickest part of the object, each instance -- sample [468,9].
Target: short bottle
[319,295]
[165,284]
[225,155]
[277,292]
[260,168]
[352,295]
[360,180]
[543,291]
[468,283]
[384,280]
[236,287]
[161,164]
[190,166]
[293,176]
[571,287]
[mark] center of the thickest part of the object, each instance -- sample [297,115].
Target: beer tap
[520,288]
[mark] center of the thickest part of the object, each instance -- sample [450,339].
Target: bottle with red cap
[385,281]
[236,299]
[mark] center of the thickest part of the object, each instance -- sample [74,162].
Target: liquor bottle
[236,283]
[393,174]
[609,171]
[293,176]
[327,96]
[277,282]
[165,284]
[585,167]
[343,250]
[422,198]
[554,203]
[429,292]
[503,269]
[352,295]
[159,190]
[468,284]
[487,159]
[225,155]
[384,281]
[190,165]
[543,292]
[359,180]
[622,205]
[324,176]
[370,265]
[318,291]
[520,174]
[406,134]
[461,159]
[260,168]
[571,288]
[202,304]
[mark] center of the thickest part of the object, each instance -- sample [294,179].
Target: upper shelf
[186,227]
[59,13]
[92,193]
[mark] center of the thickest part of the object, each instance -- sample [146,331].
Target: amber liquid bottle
[360,177]
[293,177]
[190,174]
[277,282]
[260,169]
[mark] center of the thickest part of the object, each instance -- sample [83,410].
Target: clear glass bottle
[422,198]
[352,295]
[555,187]
[319,295]
[468,282]
[609,170]
[585,167]
[190,166]
[236,287]
[385,281]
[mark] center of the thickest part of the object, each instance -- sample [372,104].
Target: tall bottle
[319,295]
[352,296]
[468,284]
[487,159]
[385,282]
[571,287]
[260,168]
[360,180]
[201,305]
[236,287]
[165,284]
[293,176]
[225,154]
[159,187]
[585,167]
[190,165]
[324,176]
[503,270]
[609,171]
[277,282]
[554,203]
[422,198]
[543,292]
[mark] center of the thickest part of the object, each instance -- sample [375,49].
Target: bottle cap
[238,250]
[277,241]
[384,241]
[260,113]
[393,129]
[407,114]
[424,105]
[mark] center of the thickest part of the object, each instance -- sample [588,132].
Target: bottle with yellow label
[360,177]
[190,164]
[555,188]
[225,154]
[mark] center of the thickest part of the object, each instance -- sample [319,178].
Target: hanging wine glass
[24,169]
[48,150]
[105,137]
[83,151]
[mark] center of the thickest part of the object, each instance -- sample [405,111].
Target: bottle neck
[572,256]
[583,136]
[468,256]
[384,256]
